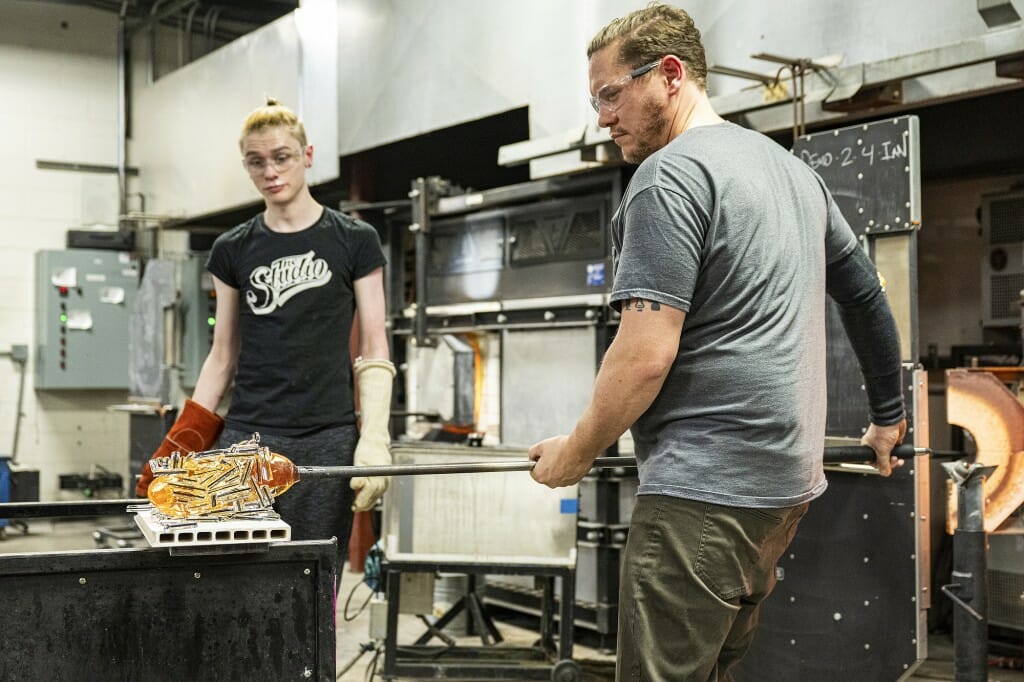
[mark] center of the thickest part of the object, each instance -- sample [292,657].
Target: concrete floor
[353,636]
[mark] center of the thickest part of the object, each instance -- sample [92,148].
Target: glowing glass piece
[241,480]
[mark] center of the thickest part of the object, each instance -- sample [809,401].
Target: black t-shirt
[296,305]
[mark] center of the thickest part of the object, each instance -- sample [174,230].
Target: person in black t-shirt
[289,283]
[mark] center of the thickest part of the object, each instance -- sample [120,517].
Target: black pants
[315,509]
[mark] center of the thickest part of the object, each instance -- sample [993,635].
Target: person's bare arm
[372,312]
[631,376]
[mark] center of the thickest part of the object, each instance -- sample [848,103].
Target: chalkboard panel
[872,170]
[847,399]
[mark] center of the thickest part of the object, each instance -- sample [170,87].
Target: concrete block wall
[58,79]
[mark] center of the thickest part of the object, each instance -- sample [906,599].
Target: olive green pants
[693,577]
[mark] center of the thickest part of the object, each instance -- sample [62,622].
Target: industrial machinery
[501,332]
[170,333]
[84,299]
[1002,227]
[198,316]
[979,402]
[476,524]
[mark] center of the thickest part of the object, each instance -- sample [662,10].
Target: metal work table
[142,614]
[543,661]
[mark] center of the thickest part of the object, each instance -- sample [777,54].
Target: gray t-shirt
[728,226]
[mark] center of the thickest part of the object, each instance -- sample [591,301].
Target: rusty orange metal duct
[977,400]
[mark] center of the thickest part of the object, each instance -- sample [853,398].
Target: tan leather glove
[196,429]
[374,447]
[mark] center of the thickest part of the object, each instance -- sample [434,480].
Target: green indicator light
[210,321]
[63,318]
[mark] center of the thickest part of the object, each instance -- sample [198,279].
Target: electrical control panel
[199,316]
[84,301]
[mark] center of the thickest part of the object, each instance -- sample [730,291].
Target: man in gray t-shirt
[725,247]
[696,231]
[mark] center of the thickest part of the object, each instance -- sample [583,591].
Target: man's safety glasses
[607,96]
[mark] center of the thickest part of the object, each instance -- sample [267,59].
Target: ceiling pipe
[122,111]
[188,32]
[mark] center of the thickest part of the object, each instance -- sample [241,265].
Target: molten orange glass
[238,481]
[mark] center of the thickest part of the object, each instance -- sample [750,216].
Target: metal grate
[1006,291]
[1006,221]
[473,244]
[529,240]
[1006,599]
[564,231]
[586,236]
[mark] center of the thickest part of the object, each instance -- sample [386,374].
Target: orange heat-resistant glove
[196,429]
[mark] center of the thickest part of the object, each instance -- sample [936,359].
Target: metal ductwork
[997,12]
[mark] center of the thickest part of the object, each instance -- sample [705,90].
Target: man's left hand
[882,439]
[558,465]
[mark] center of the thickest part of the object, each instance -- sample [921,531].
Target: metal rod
[859,454]
[122,110]
[951,590]
[18,413]
[19,355]
[768,81]
[40,510]
[849,454]
[451,468]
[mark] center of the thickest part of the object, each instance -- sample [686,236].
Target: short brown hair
[271,115]
[650,33]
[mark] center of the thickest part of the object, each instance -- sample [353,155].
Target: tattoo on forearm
[639,305]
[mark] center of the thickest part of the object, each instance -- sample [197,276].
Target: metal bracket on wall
[43,164]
